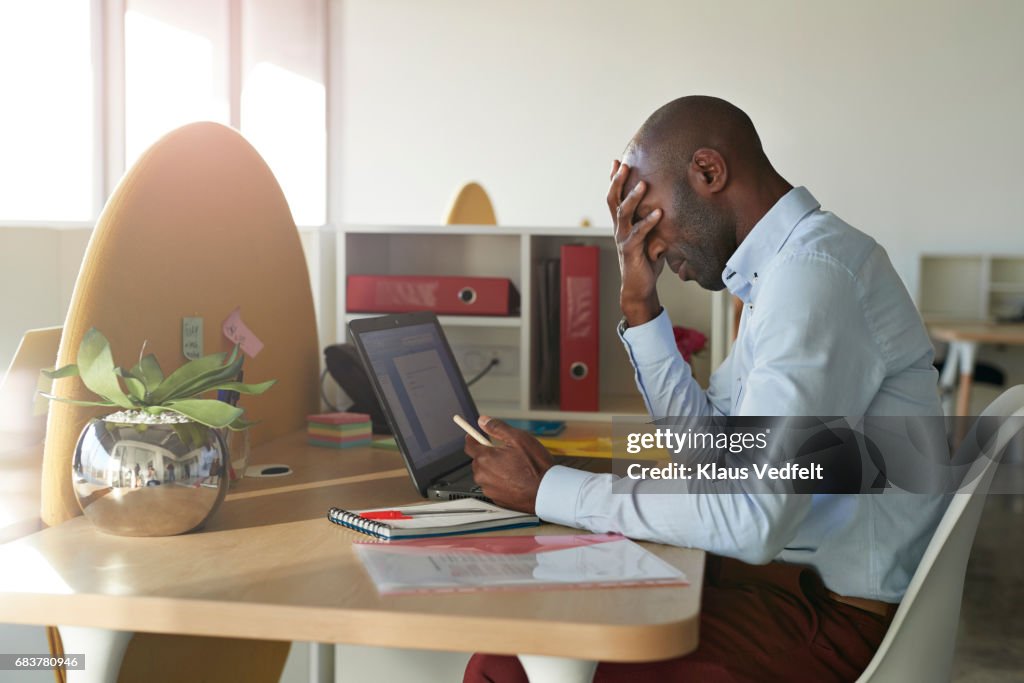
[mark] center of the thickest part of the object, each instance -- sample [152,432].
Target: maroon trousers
[758,623]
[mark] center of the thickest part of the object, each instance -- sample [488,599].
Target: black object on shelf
[345,366]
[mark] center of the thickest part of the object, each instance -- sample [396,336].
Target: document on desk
[514,562]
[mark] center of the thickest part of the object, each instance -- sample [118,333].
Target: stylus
[471,430]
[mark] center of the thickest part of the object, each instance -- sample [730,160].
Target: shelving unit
[971,287]
[458,320]
[493,251]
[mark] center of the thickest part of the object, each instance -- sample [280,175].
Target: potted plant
[158,465]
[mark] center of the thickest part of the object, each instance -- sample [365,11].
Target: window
[255,64]
[176,68]
[283,98]
[46,120]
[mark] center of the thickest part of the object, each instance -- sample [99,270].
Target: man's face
[695,238]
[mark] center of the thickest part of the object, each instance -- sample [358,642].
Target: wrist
[638,314]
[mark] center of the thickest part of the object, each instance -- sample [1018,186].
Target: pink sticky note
[236,331]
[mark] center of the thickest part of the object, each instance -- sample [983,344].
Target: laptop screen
[418,379]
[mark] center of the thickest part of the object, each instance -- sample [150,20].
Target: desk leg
[540,669]
[968,351]
[103,650]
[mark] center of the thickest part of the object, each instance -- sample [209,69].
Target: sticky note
[236,331]
[192,338]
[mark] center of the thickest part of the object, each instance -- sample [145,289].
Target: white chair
[921,640]
[22,410]
[22,428]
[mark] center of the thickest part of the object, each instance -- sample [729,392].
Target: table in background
[963,339]
[269,565]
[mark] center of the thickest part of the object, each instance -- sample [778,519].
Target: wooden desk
[269,565]
[963,339]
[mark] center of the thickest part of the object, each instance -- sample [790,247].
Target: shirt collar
[765,240]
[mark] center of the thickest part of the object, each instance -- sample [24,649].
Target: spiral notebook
[446,518]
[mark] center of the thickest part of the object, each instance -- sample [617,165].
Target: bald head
[676,130]
[704,167]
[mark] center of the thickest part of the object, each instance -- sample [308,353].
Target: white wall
[903,117]
[38,268]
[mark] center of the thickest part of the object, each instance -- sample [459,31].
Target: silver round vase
[140,475]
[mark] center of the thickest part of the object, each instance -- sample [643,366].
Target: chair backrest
[22,427]
[22,410]
[196,228]
[921,640]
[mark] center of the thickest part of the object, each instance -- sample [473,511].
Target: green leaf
[241,424]
[208,412]
[66,371]
[96,364]
[207,381]
[186,374]
[148,370]
[191,434]
[226,374]
[106,404]
[250,389]
[136,389]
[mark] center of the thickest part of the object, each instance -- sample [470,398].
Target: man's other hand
[510,471]
[638,296]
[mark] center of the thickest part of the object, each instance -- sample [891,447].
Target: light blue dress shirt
[827,329]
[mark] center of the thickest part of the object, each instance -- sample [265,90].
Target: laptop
[418,383]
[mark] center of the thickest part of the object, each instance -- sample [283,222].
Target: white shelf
[457,320]
[1006,287]
[969,286]
[513,253]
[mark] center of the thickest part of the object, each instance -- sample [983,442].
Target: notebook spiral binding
[353,521]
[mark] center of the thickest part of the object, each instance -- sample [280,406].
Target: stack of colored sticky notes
[339,430]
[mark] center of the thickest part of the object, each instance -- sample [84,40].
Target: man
[827,329]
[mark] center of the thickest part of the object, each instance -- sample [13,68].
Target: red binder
[578,386]
[444,295]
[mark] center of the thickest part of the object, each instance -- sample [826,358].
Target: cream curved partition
[197,228]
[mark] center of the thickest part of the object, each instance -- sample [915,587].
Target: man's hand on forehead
[638,295]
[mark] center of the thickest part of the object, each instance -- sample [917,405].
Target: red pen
[409,514]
